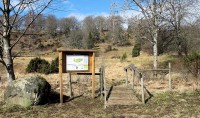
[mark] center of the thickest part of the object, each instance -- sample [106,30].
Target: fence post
[105,90]
[100,80]
[133,74]
[70,85]
[142,88]
[0,81]
[170,79]
[126,77]
[61,76]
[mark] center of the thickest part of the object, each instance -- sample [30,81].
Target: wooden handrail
[141,76]
[134,68]
[135,71]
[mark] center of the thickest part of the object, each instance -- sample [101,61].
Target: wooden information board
[76,61]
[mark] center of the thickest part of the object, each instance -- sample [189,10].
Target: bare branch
[3,62]
[1,9]
[16,14]
[13,7]
[151,41]
[1,22]
[1,57]
[1,43]
[145,13]
[30,24]
[17,54]
[1,34]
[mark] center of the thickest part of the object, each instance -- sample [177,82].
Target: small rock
[183,100]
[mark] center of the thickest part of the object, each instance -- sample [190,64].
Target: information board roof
[63,49]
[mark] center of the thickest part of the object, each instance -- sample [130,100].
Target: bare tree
[28,19]
[151,11]
[176,13]
[173,19]
[19,25]
[193,34]
[40,23]
[75,39]
[66,25]
[51,25]
[12,14]
[100,22]
[90,32]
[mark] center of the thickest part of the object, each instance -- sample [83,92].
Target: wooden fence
[135,72]
[103,86]
[138,74]
[163,70]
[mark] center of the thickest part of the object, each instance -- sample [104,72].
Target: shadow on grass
[54,98]
[150,95]
[109,92]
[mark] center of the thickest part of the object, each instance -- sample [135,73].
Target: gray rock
[27,91]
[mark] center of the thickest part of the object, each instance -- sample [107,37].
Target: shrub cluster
[192,62]
[136,50]
[42,66]
[108,49]
[54,65]
[123,58]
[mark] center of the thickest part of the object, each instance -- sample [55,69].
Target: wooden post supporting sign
[61,79]
[93,75]
[76,61]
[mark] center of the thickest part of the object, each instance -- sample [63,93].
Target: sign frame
[63,52]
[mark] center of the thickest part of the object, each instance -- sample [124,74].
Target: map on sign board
[77,62]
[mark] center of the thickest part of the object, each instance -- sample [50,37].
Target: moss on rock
[27,91]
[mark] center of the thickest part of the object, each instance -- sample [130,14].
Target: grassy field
[183,101]
[167,105]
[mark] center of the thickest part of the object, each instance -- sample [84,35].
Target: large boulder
[27,91]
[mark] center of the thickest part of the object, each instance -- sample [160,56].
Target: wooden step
[123,102]
[120,95]
[120,102]
[122,92]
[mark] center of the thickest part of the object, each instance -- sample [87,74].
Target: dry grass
[159,106]
[166,104]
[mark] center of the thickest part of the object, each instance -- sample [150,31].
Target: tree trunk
[7,55]
[155,34]
[8,59]
[6,40]
[155,50]
[8,21]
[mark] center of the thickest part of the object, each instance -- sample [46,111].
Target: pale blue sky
[81,8]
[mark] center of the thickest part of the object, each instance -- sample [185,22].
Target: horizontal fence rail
[136,72]
[166,70]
